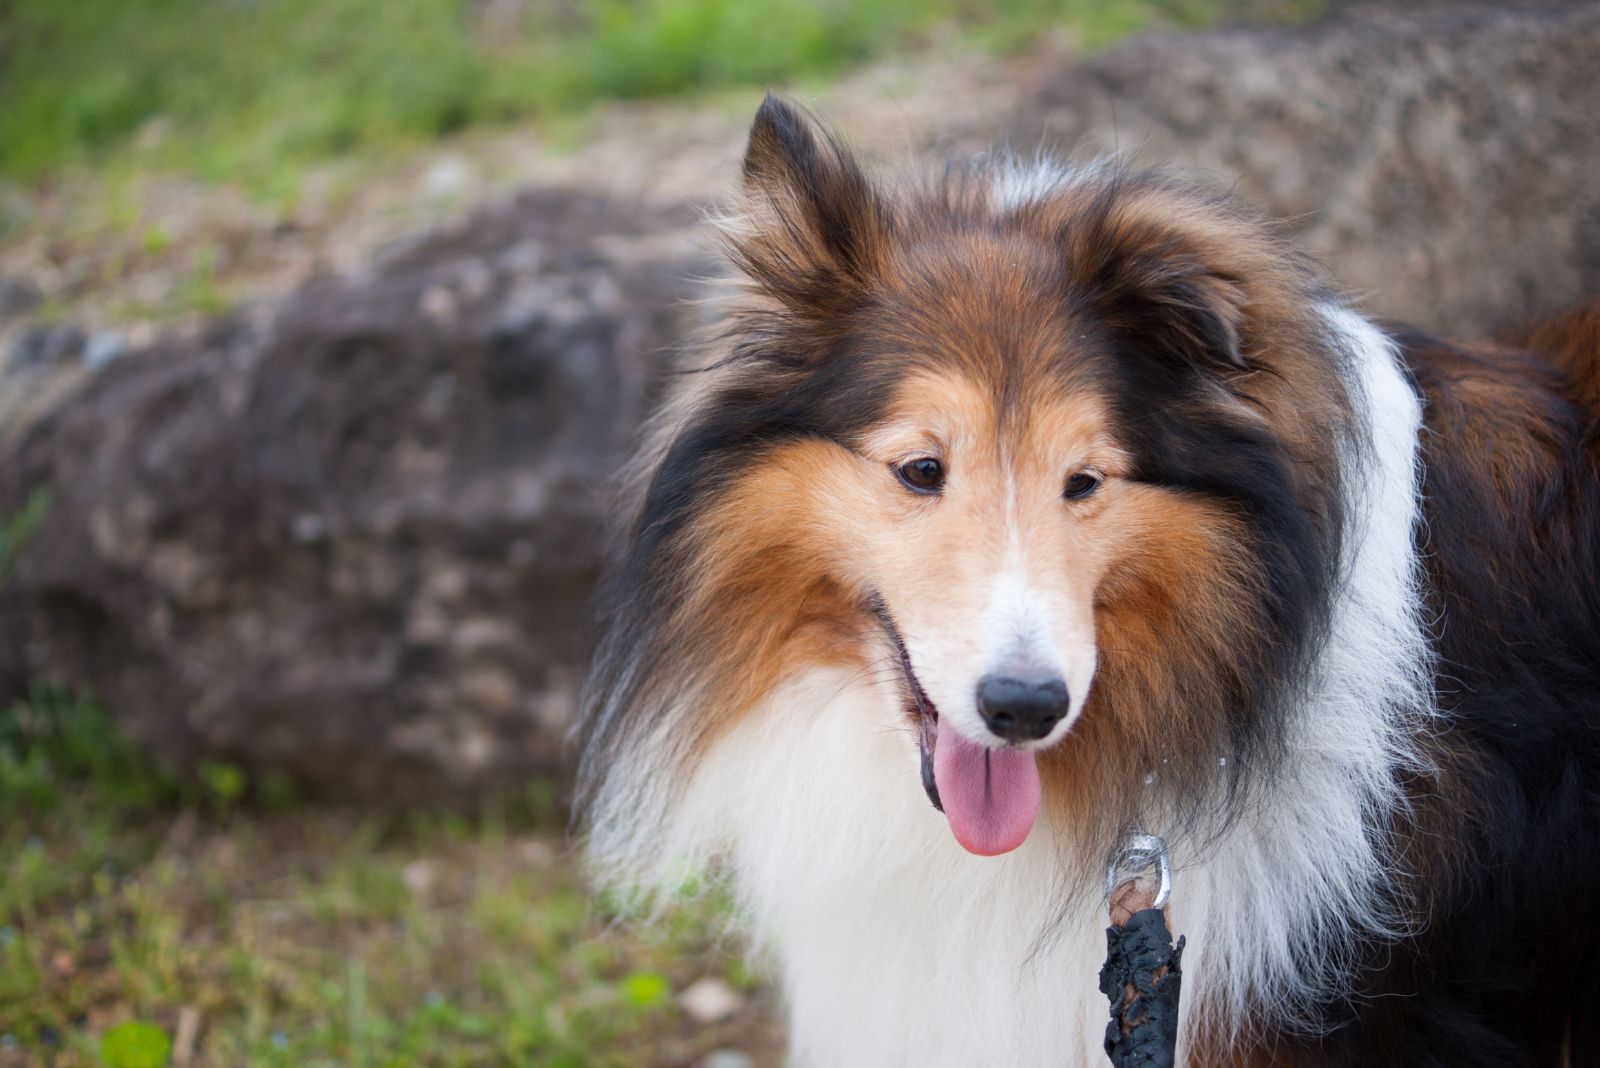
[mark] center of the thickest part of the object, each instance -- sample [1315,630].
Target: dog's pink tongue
[990,796]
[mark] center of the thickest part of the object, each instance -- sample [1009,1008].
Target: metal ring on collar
[1140,853]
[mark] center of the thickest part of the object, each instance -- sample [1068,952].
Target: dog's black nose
[1021,709]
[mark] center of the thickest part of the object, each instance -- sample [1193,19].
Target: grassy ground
[147,920]
[228,90]
[162,160]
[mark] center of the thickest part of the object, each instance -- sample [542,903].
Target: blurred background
[323,324]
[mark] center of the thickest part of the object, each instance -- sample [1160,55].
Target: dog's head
[1058,447]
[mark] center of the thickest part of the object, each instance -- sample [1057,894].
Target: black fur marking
[1183,443]
[774,402]
[1159,293]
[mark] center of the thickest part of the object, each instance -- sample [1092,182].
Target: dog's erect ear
[813,228]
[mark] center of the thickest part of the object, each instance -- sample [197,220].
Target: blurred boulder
[1441,157]
[350,537]
[18,296]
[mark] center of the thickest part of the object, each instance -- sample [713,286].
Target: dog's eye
[922,475]
[1081,485]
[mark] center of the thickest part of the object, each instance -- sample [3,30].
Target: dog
[1076,502]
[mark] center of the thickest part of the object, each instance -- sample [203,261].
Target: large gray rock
[1444,159]
[351,537]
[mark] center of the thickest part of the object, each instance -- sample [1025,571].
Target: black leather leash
[1141,976]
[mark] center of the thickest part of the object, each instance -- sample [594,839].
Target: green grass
[18,528]
[301,936]
[167,157]
[252,90]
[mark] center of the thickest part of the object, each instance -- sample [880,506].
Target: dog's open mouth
[990,796]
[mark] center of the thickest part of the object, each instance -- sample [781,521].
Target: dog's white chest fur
[894,945]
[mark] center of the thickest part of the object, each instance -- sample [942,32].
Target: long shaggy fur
[1337,596]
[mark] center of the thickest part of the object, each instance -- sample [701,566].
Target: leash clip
[1140,853]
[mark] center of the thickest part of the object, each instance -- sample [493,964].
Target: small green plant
[135,1044]
[55,742]
[224,783]
[646,990]
[203,292]
[155,240]
[18,529]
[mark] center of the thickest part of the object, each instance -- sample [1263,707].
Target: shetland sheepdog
[1013,510]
